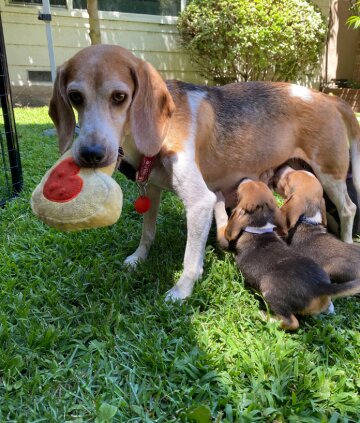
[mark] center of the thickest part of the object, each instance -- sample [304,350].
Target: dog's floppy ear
[292,209]
[61,112]
[281,181]
[323,212]
[237,222]
[151,109]
[280,222]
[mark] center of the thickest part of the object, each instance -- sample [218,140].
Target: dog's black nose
[92,154]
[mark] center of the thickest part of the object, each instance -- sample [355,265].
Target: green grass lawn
[84,340]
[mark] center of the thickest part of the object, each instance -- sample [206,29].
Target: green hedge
[232,40]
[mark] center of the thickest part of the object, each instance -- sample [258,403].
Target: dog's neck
[131,153]
[269,227]
[306,226]
[312,220]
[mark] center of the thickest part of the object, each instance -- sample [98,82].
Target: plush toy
[71,198]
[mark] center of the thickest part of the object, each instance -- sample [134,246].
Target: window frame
[34,5]
[103,14]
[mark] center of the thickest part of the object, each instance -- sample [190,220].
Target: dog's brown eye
[118,97]
[76,97]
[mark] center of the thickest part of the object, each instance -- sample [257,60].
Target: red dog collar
[142,175]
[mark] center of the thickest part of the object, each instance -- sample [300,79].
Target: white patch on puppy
[331,309]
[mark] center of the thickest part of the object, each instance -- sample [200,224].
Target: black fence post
[14,163]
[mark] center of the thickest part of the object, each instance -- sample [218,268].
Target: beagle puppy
[305,216]
[290,283]
[204,139]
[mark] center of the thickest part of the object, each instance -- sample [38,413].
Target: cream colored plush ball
[70,198]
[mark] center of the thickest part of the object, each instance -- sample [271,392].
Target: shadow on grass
[84,339]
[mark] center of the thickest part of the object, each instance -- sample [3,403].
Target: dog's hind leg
[288,322]
[282,313]
[336,188]
[337,191]
[355,166]
[148,229]
[353,137]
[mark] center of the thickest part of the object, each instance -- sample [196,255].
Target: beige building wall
[324,6]
[342,47]
[341,56]
[153,38]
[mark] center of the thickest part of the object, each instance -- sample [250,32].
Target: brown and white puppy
[205,138]
[303,194]
[304,213]
[290,283]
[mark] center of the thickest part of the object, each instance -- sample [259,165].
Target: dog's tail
[338,290]
[353,128]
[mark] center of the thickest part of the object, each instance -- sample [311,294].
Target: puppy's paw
[331,309]
[266,317]
[222,241]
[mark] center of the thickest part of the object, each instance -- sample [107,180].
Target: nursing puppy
[304,213]
[291,284]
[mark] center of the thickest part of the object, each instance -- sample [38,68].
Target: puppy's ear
[251,196]
[280,222]
[323,212]
[268,177]
[279,181]
[61,112]
[237,222]
[292,209]
[151,109]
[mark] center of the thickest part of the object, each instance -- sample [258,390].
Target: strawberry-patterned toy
[71,198]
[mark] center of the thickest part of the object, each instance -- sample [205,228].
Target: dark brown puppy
[289,282]
[304,213]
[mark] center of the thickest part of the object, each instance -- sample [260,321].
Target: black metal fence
[10,165]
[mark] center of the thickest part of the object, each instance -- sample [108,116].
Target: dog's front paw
[132,261]
[176,293]
[184,286]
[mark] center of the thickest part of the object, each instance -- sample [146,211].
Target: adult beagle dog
[305,216]
[290,283]
[204,138]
